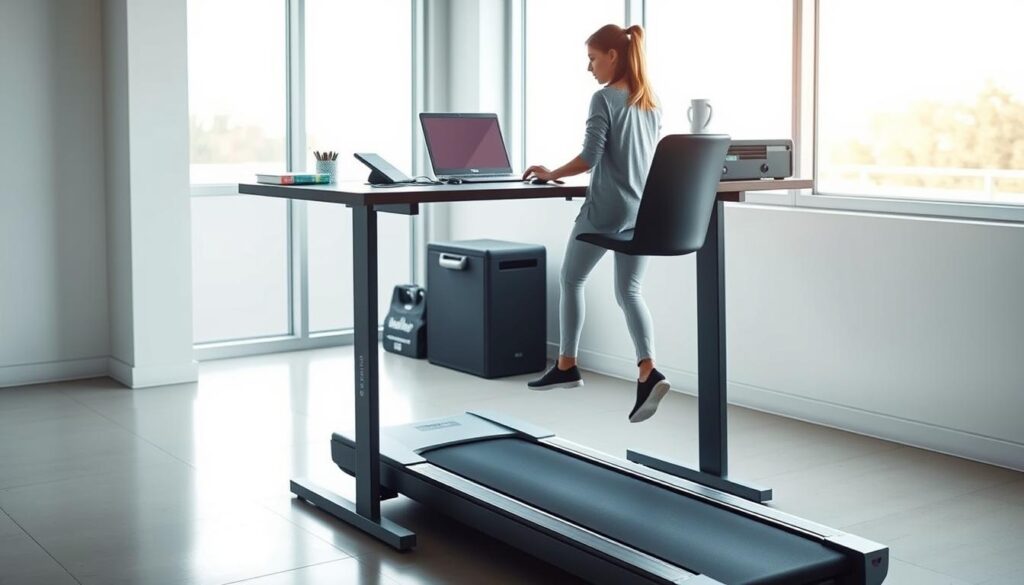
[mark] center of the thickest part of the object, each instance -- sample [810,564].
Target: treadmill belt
[685,531]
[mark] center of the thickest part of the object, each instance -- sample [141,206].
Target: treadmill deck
[684,531]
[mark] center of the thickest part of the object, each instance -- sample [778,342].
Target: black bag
[405,328]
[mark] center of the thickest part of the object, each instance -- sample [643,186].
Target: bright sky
[879,55]
[236,60]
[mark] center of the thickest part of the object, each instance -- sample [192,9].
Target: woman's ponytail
[629,42]
[640,92]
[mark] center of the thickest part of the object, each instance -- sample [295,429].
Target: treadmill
[605,519]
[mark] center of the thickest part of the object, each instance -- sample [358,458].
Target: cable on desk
[415,181]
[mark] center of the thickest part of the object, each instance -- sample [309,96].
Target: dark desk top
[361,194]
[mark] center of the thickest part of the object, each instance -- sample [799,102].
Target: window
[558,85]
[236,89]
[249,283]
[359,81]
[375,118]
[915,110]
[240,251]
[742,64]
[240,268]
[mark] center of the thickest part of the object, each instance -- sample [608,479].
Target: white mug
[699,115]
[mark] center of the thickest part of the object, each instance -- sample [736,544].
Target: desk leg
[711,349]
[711,369]
[364,354]
[365,515]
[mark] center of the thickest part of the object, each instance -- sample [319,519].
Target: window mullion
[635,12]
[418,59]
[295,124]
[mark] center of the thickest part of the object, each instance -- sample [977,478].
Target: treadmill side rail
[874,557]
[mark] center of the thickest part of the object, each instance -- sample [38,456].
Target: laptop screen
[465,144]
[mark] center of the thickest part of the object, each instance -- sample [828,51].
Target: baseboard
[991,450]
[146,376]
[41,373]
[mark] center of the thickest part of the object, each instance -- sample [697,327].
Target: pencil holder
[328,166]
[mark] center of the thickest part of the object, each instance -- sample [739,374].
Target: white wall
[53,266]
[95,275]
[117,166]
[147,154]
[904,321]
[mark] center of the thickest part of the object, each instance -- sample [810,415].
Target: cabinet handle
[452,262]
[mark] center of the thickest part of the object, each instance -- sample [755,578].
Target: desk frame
[366,202]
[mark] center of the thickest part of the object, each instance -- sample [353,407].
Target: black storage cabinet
[487,308]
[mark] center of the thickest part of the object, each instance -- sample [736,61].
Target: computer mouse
[539,181]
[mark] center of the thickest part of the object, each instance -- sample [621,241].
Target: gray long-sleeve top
[619,146]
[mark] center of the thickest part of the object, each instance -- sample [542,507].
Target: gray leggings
[580,259]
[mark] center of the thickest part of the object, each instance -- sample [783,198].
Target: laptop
[467,148]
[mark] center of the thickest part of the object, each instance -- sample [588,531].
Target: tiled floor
[189,484]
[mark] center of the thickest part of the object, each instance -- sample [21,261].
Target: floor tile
[160,525]
[1009,493]
[902,573]
[36,395]
[791,446]
[62,439]
[1011,579]
[968,537]
[343,572]
[880,484]
[446,551]
[23,562]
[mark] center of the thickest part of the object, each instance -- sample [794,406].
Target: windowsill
[213,189]
[891,206]
[266,345]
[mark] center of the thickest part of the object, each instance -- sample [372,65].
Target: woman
[621,135]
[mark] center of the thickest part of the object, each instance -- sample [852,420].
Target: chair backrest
[679,194]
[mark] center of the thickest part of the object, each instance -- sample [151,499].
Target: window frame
[300,336]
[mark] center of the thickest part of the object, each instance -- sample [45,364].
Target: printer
[758,159]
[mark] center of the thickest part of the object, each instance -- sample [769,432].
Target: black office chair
[677,201]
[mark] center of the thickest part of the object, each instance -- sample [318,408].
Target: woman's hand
[539,171]
[569,169]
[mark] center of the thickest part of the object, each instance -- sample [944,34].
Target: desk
[367,201]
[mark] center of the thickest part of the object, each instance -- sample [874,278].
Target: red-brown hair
[632,64]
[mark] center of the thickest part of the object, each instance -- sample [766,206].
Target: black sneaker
[556,378]
[648,395]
